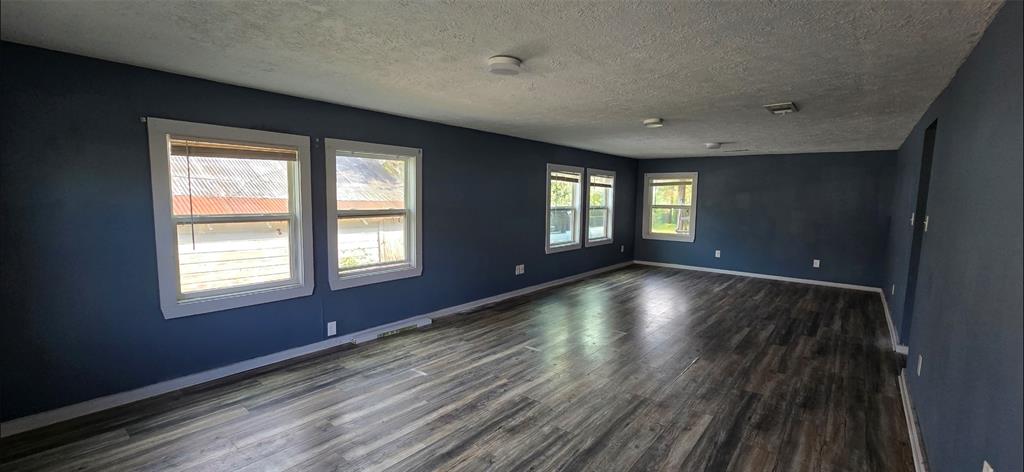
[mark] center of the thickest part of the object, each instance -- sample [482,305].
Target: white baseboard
[762,276]
[916,446]
[888,318]
[893,336]
[46,418]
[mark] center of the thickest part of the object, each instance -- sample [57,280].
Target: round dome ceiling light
[504,65]
[654,123]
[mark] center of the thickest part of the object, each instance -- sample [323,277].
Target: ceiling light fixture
[784,108]
[712,145]
[654,123]
[504,65]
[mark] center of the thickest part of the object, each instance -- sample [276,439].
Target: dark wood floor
[638,369]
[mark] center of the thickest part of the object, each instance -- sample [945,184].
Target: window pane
[226,255]
[227,186]
[599,196]
[666,194]
[670,220]
[561,225]
[597,224]
[370,184]
[563,193]
[370,241]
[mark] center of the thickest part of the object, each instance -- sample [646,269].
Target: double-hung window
[670,206]
[231,212]
[600,206]
[563,217]
[373,212]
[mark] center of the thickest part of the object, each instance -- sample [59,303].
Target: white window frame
[648,193]
[578,209]
[413,215]
[610,207]
[172,303]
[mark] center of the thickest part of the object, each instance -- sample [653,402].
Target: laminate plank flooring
[642,368]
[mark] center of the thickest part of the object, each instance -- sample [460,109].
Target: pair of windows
[233,215]
[565,200]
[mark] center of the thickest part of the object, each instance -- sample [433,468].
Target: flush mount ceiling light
[783,108]
[712,145]
[504,65]
[654,123]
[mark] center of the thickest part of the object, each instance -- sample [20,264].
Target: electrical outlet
[920,360]
[520,269]
[986,467]
[622,248]
[893,289]
[718,253]
[816,263]
[332,328]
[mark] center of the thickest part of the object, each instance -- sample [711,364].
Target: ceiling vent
[782,108]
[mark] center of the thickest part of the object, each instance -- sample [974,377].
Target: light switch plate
[817,263]
[718,253]
[520,269]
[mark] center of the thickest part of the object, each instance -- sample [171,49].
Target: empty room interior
[510,235]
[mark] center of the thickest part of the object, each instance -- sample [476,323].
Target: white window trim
[647,206]
[611,210]
[166,235]
[548,248]
[414,249]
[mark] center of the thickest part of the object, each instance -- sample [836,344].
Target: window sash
[407,242]
[573,230]
[294,252]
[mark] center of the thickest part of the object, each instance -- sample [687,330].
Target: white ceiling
[861,72]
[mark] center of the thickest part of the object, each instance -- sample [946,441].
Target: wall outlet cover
[622,248]
[332,328]
[718,253]
[520,269]
[817,263]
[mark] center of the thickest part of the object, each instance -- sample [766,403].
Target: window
[600,206]
[670,206]
[564,189]
[373,216]
[231,211]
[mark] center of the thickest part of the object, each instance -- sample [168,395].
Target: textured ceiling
[861,72]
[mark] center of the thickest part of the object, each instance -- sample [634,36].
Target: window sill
[372,276]
[199,306]
[666,237]
[599,242]
[562,248]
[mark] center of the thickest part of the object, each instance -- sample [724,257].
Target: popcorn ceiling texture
[861,72]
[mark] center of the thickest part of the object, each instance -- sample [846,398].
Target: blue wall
[968,307]
[81,316]
[776,214]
